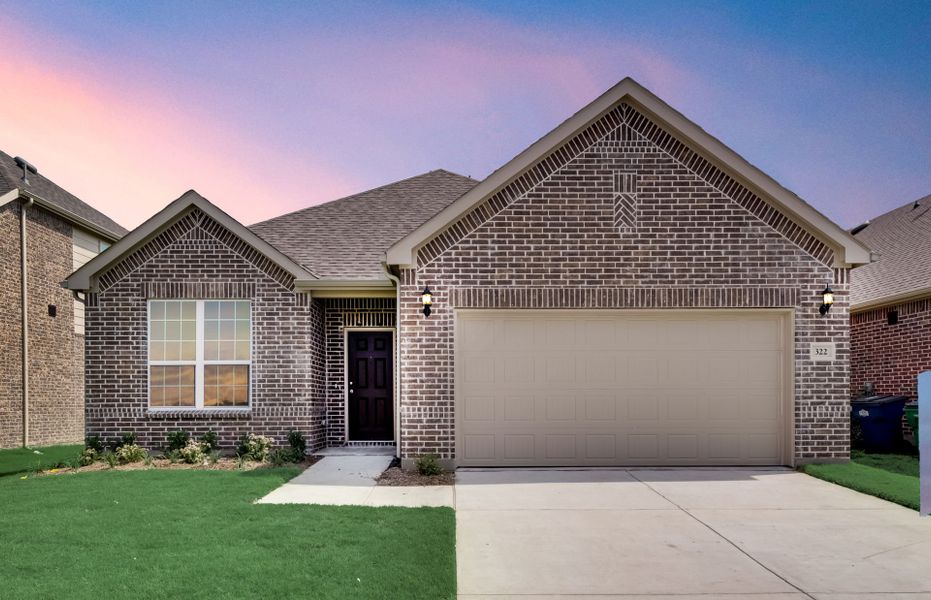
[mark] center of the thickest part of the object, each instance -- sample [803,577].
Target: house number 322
[822,351]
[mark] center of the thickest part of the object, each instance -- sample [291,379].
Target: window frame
[199,361]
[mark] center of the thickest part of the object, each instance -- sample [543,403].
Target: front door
[370,380]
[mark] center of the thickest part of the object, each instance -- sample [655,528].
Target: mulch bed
[396,476]
[222,464]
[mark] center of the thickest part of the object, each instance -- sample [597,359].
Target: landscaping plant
[254,447]
[429,465]
[177,440]
[193,453]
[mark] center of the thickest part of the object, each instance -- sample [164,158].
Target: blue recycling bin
[880,420]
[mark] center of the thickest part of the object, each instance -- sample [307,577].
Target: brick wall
[890,356]
[55,377]
[198,258]
[565,235]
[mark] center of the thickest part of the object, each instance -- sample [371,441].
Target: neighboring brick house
[890,321]
[60,233]
[625,291]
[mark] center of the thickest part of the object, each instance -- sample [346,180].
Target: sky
[269,107]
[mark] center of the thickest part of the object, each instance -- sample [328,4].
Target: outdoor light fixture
[827,299]
[426,298]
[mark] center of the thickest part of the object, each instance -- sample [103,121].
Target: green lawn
[18,460]
[893,477]
[196,534]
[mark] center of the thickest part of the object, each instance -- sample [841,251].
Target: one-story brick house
[626,291]
[890,302]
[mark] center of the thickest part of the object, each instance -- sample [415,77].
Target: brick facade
[56,413]
[890,356]
[688,236]
[198,258]
[341,314]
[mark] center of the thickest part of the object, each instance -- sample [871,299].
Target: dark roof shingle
[903,239]
[11,176]
[347,238]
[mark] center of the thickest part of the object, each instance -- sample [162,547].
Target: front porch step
[358,451]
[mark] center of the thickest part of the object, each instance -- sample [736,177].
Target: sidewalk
[350,480]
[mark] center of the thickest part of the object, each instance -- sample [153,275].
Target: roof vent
[859,228]
[27,168]
[916,204]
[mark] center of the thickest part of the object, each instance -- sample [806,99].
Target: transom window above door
[200,354]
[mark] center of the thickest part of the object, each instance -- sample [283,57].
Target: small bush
[92,442]
[131,453]
[214,457]
[254,447]
[89,456]
[111,459]
[210,441]
[178,439]
[298,444]
[429,465]
[194,453]
[280,456]
[128,439]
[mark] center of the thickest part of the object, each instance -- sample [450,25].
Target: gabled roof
[57,200]
[848,250]
[85,277]
[902,237]
[346,239]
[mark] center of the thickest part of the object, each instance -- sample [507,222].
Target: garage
[597,388]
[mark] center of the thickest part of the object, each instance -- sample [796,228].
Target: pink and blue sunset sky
[268,107]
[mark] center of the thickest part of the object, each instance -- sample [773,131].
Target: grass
[197,534]
[21,460]
[892,477]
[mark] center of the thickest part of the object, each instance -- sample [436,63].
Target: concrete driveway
[683,533]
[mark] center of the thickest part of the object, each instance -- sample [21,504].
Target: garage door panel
[620,388]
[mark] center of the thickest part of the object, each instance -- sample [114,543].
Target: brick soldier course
[621,212]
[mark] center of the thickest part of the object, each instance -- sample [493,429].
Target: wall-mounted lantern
[426,298]
[827,299]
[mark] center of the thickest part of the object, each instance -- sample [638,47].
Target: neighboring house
[42,397]
[890,302]
[626,291]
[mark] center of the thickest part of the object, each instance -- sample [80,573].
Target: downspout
[27,203]
[397,357]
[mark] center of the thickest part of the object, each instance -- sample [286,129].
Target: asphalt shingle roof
[11,176]
[903,239]
[347,238]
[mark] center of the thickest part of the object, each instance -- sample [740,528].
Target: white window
[199,353]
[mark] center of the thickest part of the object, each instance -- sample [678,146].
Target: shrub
[131,453]
[254,447]
[89,456]
[298,445]
[92,442]
[210,441]
[127,439]
[111,459]
[429,465]
[280,456]
[193,453]
[178,439]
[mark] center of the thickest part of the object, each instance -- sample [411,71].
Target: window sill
[199,413]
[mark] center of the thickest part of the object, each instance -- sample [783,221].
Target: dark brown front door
[371,406]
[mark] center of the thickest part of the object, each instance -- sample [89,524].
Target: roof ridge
[357,194]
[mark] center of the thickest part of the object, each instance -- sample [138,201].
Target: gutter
[397,358]
[24,289]
[70,216]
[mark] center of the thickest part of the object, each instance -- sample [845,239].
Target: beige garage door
[621,388]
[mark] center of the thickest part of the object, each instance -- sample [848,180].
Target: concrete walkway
[682,534]
[350,480]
